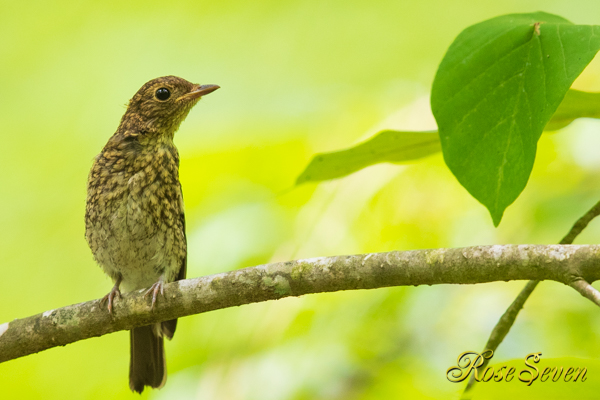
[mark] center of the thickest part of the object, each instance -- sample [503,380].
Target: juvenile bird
[134,219]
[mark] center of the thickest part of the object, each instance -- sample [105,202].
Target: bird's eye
[162,94]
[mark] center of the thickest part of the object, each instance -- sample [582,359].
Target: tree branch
[468,265]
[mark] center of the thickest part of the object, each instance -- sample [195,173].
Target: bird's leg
[155,288]
[114,292]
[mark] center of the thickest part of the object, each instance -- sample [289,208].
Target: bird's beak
[199,91]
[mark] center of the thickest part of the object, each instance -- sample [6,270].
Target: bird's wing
[183,269]
[168,327]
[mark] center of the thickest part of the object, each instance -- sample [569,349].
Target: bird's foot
[110,297]
[155,289]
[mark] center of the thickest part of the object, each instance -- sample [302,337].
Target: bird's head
[161,105]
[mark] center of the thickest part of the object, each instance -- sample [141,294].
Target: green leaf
[496,88]
[576,104]
[386,146]
[402,147]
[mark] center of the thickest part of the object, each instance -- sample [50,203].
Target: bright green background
[297,78]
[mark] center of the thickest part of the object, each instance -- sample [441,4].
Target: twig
[510,315]
[581,224]
[586,290]
[503,326]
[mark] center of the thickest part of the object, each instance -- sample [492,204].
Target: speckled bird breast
[134,213]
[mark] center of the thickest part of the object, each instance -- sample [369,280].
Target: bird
[134,216]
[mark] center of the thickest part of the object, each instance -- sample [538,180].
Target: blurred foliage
[576,104]
[297,78]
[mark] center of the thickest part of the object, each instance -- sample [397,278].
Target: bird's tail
[147,366]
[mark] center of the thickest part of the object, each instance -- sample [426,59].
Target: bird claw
[110,297]
[154,289]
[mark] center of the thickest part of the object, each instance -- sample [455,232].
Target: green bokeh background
[297,77]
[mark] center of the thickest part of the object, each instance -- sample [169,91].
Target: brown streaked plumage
[134,220]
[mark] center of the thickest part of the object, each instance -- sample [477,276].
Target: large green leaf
[403,147]
[496,88]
